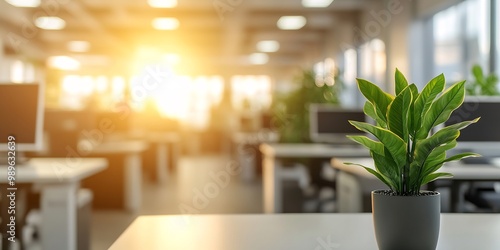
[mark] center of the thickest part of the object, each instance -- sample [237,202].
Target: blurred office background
[195,87]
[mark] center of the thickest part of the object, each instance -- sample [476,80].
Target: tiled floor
[199,186]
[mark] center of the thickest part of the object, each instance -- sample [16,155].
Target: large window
[373,61]
[461,39]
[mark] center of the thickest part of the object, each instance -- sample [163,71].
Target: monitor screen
[21,116]
[482,137]
[330,124]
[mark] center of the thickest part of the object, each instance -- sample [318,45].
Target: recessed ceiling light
[24,3]
[258,58]
[50,23]
[316,3]
[291,22]
[162,3]
[79,46]
[63,63]
[165,23]
[268,46]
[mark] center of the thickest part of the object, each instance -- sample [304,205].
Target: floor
[202,185]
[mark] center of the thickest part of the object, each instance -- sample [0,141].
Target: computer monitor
[21,116]
[482,137]
[330,124]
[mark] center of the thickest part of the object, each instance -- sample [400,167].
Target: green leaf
[438,155]
[441,109]
[369,110]
[411,119]
[372,145]
[385,165]
[397,115]
[452,158]
[395,145]
[424,147]
[401,82]
[477,71]
[379,99]
[424,100]
[373,172]
[434,176]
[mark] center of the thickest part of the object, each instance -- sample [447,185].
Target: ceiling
[120,30]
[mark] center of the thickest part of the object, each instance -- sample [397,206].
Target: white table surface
[293,231]
[132,151]
[272,171]
[59,181]
[49,170]
[163,140]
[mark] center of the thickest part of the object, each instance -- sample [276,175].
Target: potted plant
[482,84]
[407,154]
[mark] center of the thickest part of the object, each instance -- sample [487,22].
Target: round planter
[406,222]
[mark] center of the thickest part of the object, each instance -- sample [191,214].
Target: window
[251,92]
[373,61]
[457,49]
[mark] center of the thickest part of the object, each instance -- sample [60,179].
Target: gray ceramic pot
[406,222]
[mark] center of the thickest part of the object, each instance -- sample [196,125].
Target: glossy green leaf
[435,176]
[385,165]
[370,111]
[379,99]
[395,145]
[397,115]
[424,100]
[384,179]
[411,118]
[372,145]
[441,109]
[424,147]
[401,82]
[452,158]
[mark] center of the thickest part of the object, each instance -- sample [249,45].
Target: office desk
[461,173]
[162,140]
[246,143]
[59,180]
[272,152]
[293,232]
[130,151]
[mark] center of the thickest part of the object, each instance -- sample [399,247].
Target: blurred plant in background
[482,85]
[291,111]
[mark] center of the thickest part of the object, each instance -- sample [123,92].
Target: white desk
[272,152]
[461,173]
[163,140]
[245,143]
[132,150]
[59,180]
[293,232]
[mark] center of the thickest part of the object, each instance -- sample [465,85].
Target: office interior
[181,103]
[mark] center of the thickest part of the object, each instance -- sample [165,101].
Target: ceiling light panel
[291,22]
[268,46]
[63,63]
[258,58]
[162,3]
[24,3]
[316,3]
[165,23]
[50,23]
[78,46]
